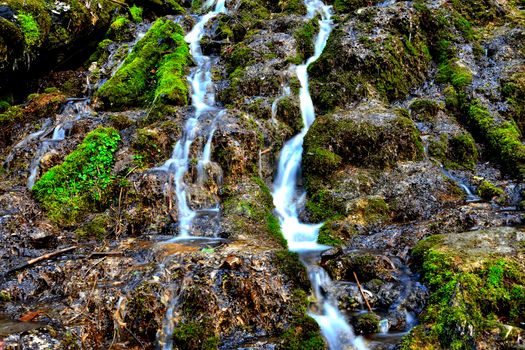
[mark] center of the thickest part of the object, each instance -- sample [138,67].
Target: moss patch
[82,183]
[474,293]
[163,50]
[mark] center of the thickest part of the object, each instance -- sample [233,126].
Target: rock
[472,273]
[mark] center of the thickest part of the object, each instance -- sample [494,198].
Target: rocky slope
[414,165]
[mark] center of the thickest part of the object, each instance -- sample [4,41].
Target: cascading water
[203,101]
[287,197]
[74,110]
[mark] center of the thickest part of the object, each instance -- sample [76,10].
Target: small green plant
[136,13]
[30,28]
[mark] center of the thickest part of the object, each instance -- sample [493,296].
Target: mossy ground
[82,183]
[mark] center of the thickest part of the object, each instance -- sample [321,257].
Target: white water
[471,197]
[203,100]
[73,110]
[287,197]
[206,152]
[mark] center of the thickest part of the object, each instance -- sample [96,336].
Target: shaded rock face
[419,110]
[33,30]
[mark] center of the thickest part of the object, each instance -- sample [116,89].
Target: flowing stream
[287,198]
[203,101]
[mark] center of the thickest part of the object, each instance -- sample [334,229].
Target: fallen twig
[39,259]
[362,293]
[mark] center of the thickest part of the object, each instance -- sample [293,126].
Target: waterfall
[302,237]
[203,102]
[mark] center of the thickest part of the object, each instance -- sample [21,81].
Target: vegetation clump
[502,138]
[134,83]
[82,182]
[473,293]
[424,110]
[136,13]
[30,28]
[489,191]
[303,333]
[514,92]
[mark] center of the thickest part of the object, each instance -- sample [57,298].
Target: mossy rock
[455,152]
[424,110]
[513,89]
[350,70]
[303,332]
[488,191]
[289,112]
[83,182]
[120,30]
[367,323]
[502,138]
[373,139]
[163,51]
[477,285]
[250,211]
[38,106]
[97,227]
[35,28]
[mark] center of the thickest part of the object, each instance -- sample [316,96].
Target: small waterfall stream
[73,110]
[287,198]
[203,101]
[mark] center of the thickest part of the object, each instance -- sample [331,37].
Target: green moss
[195,335]
[459,76]
[82,182]
[367,323]
[172,86]
[462,151]
[393,66]
[513,90]
[323,160]
[290,265]
[359,142]
[304,37]
[303,332]
[136,13]
[479,11]
[320,206]
[148,146]
[326,237]
[5,296]
[274,228]
[4,106]
[503,139]
[238,57]
[345,6]
[467,301]
[424,110]
[134,83]
[30,28]
[438,148]
[120,121]
[95,228]
[488,191]
[120,29]
[289,111]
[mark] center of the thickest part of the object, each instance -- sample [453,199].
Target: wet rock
[472,272]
